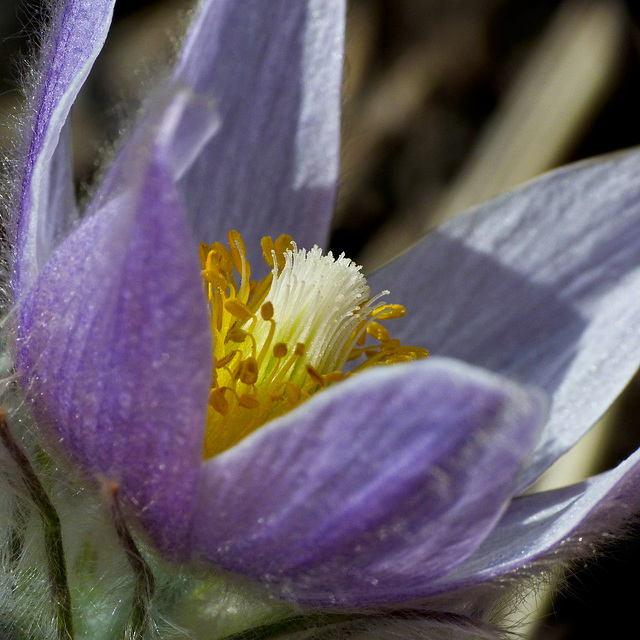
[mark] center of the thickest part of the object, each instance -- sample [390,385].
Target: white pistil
[321,302]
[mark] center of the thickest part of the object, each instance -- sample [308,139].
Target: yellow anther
[222,256]
[292,391]
[248,401]
[377,331]
[237,308]
[266,311]
[282,244]
[268,248]
[299,350]
[333,376]
[314,375]
[237,335]
[416,353]
[236,243]
[354,354]
[399,358]
[226,359]
[238,250]
[214,278]
[249,371]
[389,312]
[219,402]
[279,350]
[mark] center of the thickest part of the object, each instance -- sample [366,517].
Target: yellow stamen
[377,331]
[280,350]
[238,309]
[279,340]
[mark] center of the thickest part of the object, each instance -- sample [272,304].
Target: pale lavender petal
[114,347]
[175,127]
[77,33]
[371,489]
[564,523]
[274,68]
[540,285]
[63,209]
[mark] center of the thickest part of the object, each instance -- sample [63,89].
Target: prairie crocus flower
[217,408]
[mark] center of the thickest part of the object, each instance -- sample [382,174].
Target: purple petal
[565,521]
[114,349]
[372,489]
[77,32]
[540,285]
[274,68]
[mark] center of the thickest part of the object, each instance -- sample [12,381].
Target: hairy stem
[54,549]
[16,534]
[144,585]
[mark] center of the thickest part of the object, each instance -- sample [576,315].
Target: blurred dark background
[446,103]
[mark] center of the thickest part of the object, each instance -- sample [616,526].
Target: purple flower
[397,484]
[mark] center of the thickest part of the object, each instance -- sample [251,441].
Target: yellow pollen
[279,340]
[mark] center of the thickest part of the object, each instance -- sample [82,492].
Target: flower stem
[54,549]
[144,587]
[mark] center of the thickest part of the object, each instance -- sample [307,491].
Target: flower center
[279,340]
